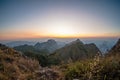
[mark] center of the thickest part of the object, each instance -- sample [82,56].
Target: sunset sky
[59,18]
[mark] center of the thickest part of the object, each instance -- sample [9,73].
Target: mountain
[115,50]
[92,49]
[104,44]
[51,45]
[18,43]
[41,55]
[60,44]
[76,50]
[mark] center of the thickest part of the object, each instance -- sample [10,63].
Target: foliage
[29,48]
[14,66]
[94,69]
[40,55]
[75,51]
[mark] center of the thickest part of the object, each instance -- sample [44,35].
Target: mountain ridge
[77,50]
[50,45]
[115,50]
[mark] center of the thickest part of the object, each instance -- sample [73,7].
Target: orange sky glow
[59,19]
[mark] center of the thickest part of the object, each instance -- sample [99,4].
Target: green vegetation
[63,66]
[29,48]
[40,55]
[93,69]
[75,51]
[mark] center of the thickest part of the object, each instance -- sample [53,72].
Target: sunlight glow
[59,19]
[62,30]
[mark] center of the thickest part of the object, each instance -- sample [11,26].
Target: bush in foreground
[94,69]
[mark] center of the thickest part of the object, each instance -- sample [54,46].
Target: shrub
[94,69]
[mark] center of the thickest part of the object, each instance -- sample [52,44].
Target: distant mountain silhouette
[18,43]
[40,48]
[115,50]
[76,50]
[51,45]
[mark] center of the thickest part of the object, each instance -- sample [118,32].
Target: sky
[20,19]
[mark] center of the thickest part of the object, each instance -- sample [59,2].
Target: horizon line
[30,38]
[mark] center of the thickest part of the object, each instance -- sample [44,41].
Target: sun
[59,27]
[62,30]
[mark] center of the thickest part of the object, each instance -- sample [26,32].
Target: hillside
[76,50]
[40,55]
[15,66]
[92,50]
[97,68]
[29,48]
[115,50]
[51,45]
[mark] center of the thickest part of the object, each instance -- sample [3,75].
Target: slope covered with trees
[76,50]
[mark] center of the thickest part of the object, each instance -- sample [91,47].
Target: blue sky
[59,18]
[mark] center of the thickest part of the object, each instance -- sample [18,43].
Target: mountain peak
[49,45]
[51,41]
[76,50]
[78,41]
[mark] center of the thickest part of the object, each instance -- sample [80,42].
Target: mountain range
[104,45]
[17,66]
[51,45]
[76,50]
[18,43]
[48,47]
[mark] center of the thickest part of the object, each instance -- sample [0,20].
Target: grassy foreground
[107,68]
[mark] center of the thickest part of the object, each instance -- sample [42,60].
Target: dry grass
[14,66]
